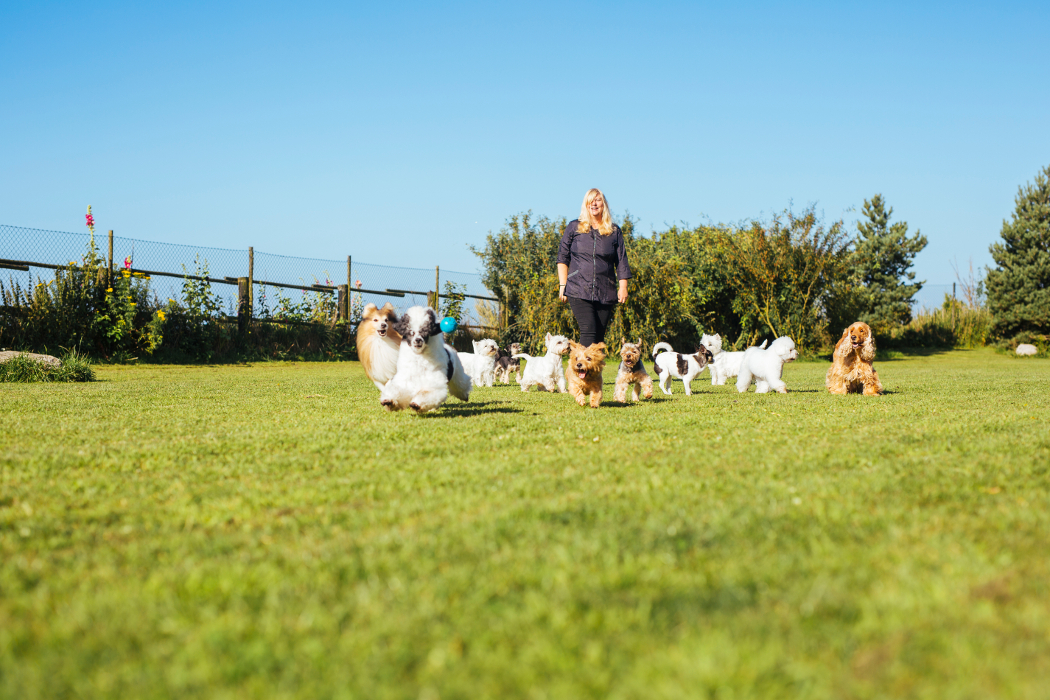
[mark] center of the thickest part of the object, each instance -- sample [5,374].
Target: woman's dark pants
[593,318]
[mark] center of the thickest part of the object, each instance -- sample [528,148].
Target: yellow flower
[110,290]
[133,303]
[160,315]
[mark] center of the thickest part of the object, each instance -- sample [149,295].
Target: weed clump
[23,368]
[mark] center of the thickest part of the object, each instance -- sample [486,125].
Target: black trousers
[593,318]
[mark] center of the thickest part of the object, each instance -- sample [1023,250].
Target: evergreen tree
[1019,286]
[882,260]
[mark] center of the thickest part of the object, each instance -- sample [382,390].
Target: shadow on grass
[474,408]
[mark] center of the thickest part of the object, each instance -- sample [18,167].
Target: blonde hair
[605,226]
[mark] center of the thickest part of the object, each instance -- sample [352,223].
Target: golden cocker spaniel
[851,369]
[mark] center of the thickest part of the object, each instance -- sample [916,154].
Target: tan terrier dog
[585,372]
[632,373]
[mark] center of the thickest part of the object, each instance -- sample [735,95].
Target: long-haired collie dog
[851,369]
[378,343]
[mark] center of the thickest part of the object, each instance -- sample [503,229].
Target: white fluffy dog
[481,364]
[674,364]
[546,371]
[725,364]
[427,368]
[766,365]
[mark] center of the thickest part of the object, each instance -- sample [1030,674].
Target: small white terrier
[766,365]
[427,368]
[481,364]
[546,371]
[725,364]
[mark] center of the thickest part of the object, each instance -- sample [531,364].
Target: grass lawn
[268,531]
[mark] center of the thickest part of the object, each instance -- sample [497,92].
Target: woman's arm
[623,269]
[564,255]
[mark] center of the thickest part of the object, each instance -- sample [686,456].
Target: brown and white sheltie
[378,343]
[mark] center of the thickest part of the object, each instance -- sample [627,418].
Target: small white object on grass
[1026,349]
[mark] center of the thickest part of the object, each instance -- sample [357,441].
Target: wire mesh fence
[274,276]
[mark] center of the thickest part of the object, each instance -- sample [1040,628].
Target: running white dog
[481,364]
[546,371]
[674,364]
[725,364]
[766,366]
[427,368]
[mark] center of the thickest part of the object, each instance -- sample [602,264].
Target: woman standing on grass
[592,267]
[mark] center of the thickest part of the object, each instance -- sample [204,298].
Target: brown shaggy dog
[631,373]
[851,369]
[585,372]
[378,343]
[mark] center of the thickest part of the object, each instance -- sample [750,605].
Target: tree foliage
[761,280]
[1019,286]
[882,260]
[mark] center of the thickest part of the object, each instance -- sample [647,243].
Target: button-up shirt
[595,263]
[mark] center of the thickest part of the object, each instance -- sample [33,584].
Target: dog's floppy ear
[365,313]
[867,351]
[387,308]
[638,342]
[432,327]
[403,325]
[622,340]
[598,346]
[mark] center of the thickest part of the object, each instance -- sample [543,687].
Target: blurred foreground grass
[267,531]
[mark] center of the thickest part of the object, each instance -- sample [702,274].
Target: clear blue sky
[402,132]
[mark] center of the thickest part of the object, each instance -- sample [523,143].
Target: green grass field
[268,531]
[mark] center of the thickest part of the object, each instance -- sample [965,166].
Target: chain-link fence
[274,276]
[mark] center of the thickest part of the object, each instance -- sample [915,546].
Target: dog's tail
[662,346]
[521,354]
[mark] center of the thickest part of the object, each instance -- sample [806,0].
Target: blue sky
[402,132]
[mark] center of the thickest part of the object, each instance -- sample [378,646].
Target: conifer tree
[883,256]
[1019,286]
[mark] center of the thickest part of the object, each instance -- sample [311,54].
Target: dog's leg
[620,393]
[596,398]
[634,390]
[664,376]
[777,385]
[743,380]
[687,380]
[647,387]
[577,393]
[428,400]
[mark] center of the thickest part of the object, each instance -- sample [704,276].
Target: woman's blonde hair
[605,226]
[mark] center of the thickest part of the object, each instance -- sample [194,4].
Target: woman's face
[597,207]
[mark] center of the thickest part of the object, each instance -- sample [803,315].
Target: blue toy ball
[448,324]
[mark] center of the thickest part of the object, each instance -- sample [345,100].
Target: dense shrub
[784,277]
[118,318]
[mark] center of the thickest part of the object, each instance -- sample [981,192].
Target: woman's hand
[561,293]
[621,294]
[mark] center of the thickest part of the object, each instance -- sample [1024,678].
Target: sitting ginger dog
[851,370]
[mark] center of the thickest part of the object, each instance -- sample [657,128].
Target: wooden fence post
[244,313]
[342,310]
[111,257]
[251,281]
[437,288]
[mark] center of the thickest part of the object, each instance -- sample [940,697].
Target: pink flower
[127,263]
[358,284]
[90,220]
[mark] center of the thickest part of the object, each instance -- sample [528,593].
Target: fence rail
[23,249]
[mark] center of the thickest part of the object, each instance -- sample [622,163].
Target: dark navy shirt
[595,263]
